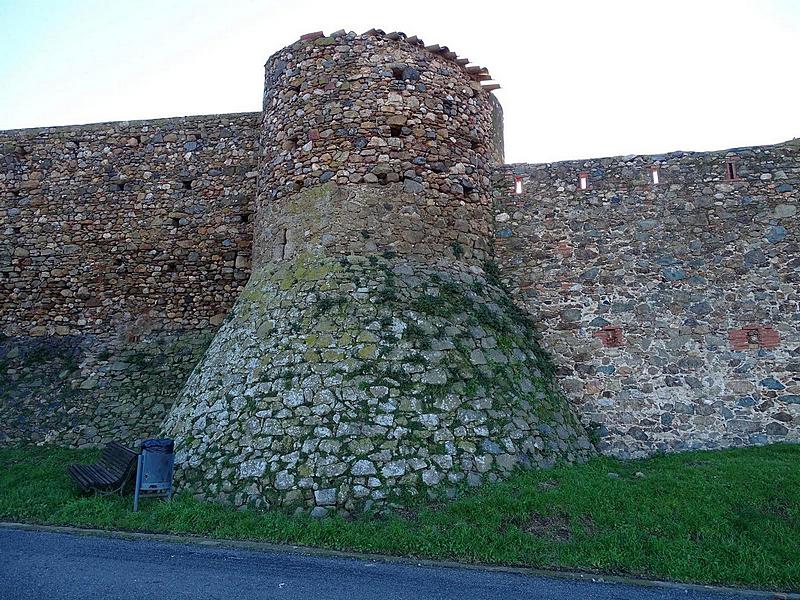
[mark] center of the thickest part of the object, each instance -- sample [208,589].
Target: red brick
[754,337]
[738,339]
[611,336]
[768,337]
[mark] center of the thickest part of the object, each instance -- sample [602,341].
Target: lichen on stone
[355,381]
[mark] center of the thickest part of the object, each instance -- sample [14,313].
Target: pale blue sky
[580,79]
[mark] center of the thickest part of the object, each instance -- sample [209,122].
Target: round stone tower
[372,354]
[375,143]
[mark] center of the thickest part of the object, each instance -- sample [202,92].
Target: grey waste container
[154,470]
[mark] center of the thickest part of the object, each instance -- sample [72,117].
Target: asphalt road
[56,566]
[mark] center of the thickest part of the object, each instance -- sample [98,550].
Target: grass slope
[725,517]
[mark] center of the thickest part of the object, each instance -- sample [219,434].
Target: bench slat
[92,475]
[100,474]
[78,476]
[115,465]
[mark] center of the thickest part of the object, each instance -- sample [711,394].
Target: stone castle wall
[105,224]
[123,247]
[672,309]
[341,382]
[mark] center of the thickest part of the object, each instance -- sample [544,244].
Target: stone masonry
[123,246]
[698,274]
[368,214]
[346,110]
[342,381]
[369,357]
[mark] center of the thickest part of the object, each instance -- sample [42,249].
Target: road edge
[391,559]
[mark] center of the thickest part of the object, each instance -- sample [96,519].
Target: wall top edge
[652,159]
[476,73]
[29,131]
[518,167]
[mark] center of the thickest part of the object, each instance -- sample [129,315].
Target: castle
[348,297]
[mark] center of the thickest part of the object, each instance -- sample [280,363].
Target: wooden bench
[110,473]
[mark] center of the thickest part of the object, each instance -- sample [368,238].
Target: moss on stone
[408,352]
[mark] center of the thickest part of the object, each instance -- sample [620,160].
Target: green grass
[727,517]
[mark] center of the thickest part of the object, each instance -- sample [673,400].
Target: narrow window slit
[583,180]
[655,175]
[730,169]
[517,185]
[283,242]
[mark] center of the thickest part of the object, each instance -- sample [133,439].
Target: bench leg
[138,483]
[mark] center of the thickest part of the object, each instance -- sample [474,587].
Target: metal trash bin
[154,470]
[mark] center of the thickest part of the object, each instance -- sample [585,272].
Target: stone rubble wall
[123,246]
[671,310]
[87,390]
[369,358]
[362,112]
[336,383]
[103,224]
[700,275]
